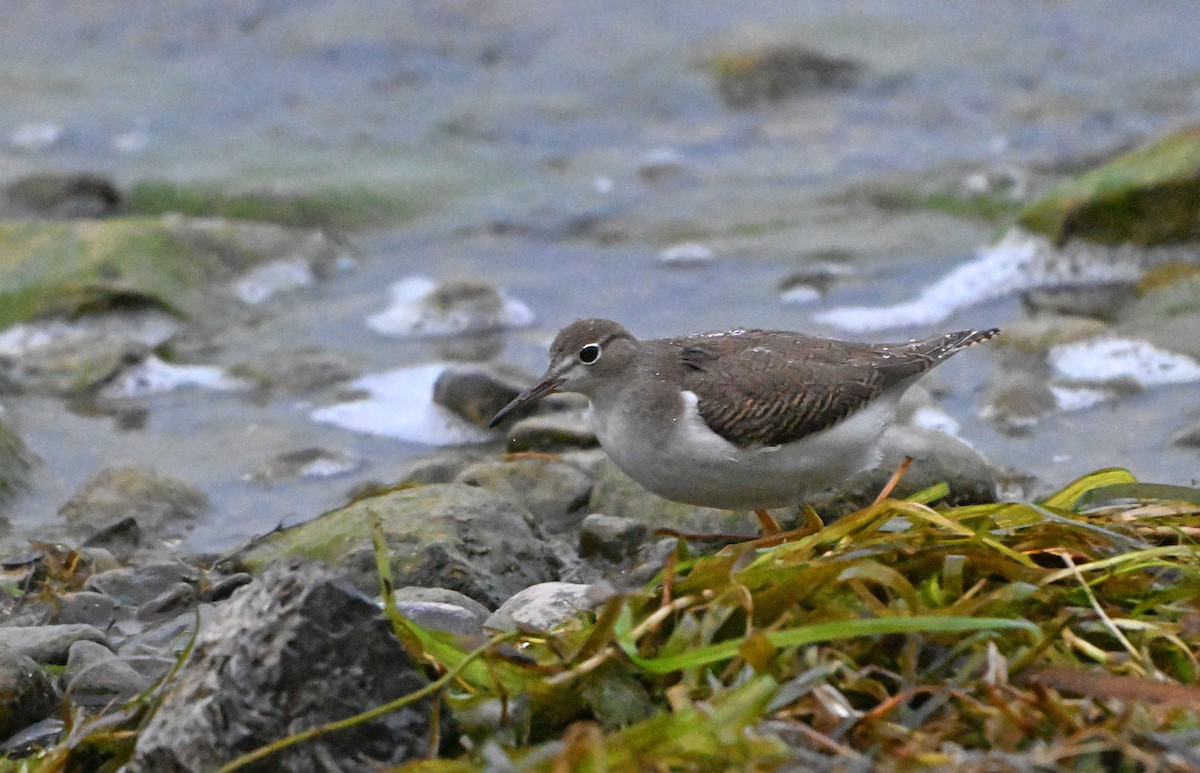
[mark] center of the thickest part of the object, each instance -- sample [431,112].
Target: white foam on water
[1078,398]
[1020,261]
[408,315]
[272,278]
[152,376]
[1108,357]
[36,136]
[400,405]
[686,254]
[800,295]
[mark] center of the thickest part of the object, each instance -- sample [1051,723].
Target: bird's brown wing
[766,388]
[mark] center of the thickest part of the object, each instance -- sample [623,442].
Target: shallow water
[526,125]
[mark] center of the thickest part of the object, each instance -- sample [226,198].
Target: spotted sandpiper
[744,419]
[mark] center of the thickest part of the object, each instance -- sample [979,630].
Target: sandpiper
[743,419]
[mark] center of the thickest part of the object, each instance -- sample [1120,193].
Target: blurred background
[241,240]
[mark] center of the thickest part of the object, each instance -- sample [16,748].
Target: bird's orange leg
[890,486]
[767,522]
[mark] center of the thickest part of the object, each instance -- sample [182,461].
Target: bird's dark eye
[589,354]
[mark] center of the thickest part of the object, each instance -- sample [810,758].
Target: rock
[296,370]
[616,494]
[544,607]
[438,467]
[551,432]
[554,492]
[15,463]
[86,608]
[39,735]
[1188,437]
[421,307]
[26,695]
[610,537]
[936,456]
[80,356]
[164,638]
[300,648]
[747,79]
[135,586]
[416,593]
[1101,301]
[96,677]
[224,587]
[307,463]
[1037,334]
[65,268]
[61,195]
[1167,316]
[477,392]
[178,597]
[439,609]
[48,643]
[1149,196]
[156,502]
[477,542]
[1020,400]
[122,539]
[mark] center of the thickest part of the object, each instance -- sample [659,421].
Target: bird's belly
[696,466]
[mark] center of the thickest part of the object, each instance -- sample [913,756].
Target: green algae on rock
[464,538]
[1149,196]
[70,268]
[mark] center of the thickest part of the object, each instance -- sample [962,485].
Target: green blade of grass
[811,634]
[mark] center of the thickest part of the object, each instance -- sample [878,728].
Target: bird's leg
[812,525]
[895,479]
[767,522]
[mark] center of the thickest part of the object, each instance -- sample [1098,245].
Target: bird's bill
[546,386]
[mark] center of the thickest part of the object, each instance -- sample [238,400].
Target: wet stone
[544,607]
[299,649]
[610,537]
[1038,334]
[122,539]
[1020,401]
[179,596]
[39,735]
[1188,437]
[442,596]
[550,432]
[224,587]
[552,491]
[307,463]
[747,79]
[60,195]
[48,643]
[477,392]
[297,370]
[1096,301]
[480,543]
[95,677]
[135,586]
[438,467]
[26,695]
[155,501]
[87,608]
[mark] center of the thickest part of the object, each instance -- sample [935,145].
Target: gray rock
[551,432]
[1098,301]
[651,559]
[552,491]
[546,606]
[447,618]
[155,501]
[451,536]
[39,735]
[97,677]
[299,648]
[15,463]
[297,370]
[135,586]
[1036,335]
[48,643]
[478,390]
[60,195]
[610,537]
[26,695]
[163,638]
[87,608]
[307,463]
[223,587]
[413,593]
[439,467]
[1020,401]
[1188,437]
[122,539]
[170,602]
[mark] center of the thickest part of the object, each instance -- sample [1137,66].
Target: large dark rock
[478,542]
[299,648]
[26,695]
